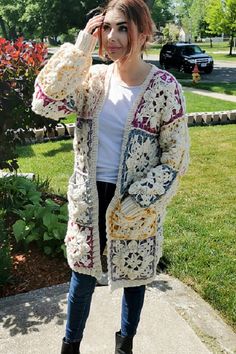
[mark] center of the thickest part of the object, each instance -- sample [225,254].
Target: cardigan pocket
[139,226]
[79,204]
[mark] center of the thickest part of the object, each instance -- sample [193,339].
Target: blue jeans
[82,287]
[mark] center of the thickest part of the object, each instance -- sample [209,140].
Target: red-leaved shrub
[20,63]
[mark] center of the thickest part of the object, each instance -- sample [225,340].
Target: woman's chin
[114,56]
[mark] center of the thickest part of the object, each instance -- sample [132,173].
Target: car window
[191,50]
[167,48]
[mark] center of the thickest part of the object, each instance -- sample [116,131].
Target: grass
[200,226]
[224,57]
[52,160]
[226,88]
[199,103]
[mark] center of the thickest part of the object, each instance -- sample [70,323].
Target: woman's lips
[113,49]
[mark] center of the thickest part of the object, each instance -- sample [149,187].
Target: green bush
[5,256]
[38,218]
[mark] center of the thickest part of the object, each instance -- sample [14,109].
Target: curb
[211,118]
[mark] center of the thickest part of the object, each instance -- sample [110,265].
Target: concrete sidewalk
[207,93]
[175,320]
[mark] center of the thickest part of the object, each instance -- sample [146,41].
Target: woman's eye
[105,27]
[123,29]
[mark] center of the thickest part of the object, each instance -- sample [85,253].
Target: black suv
[184,56]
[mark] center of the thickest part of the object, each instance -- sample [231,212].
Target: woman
[131,146]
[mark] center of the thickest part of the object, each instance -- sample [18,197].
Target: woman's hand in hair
[94,24]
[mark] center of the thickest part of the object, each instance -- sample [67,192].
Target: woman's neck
[131,72]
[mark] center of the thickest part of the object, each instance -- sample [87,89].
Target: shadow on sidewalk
[25,313]
[161,285]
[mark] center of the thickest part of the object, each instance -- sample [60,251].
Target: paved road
[223,72]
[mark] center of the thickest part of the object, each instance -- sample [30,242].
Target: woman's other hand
[94,24]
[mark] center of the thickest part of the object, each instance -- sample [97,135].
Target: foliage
[17,191]
[171,33]
[5,257]
[40,18]
[19,65]
[70,36]
[221,17]
[39,219]
[161,12]
[191,16]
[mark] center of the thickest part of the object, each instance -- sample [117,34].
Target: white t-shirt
[112,122]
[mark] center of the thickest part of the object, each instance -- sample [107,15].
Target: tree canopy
[221,17]
[43,17]
[161,12]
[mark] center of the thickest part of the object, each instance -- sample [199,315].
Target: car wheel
[208,70]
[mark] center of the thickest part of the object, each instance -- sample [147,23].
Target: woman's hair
[136,12]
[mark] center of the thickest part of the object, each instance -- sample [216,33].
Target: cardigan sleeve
[160,183]
[60,86]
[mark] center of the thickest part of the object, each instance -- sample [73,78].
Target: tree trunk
[12,33]
[231,44]
[3,27]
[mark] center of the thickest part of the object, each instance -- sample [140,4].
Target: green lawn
[200,225]
[226,88]
[224,57]
[199,103]
[53,160]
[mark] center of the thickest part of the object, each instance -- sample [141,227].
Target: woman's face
[115,35]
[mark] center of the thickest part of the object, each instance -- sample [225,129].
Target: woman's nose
[111,34]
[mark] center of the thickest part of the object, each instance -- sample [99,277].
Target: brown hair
[137,13]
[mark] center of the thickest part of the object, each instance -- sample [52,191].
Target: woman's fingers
[93,24]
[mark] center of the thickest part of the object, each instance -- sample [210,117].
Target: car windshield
[191,50]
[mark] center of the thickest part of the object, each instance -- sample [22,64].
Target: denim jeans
[82,286]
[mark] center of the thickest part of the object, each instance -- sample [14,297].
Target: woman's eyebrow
[118,23]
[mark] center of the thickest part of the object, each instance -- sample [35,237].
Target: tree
[183,14]
[161,12]
[40,18]
[221,17]
[10,13]
[171,32]
[198,11]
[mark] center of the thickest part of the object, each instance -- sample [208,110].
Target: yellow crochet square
[139,227]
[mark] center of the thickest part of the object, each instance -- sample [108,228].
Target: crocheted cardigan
[154,154]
